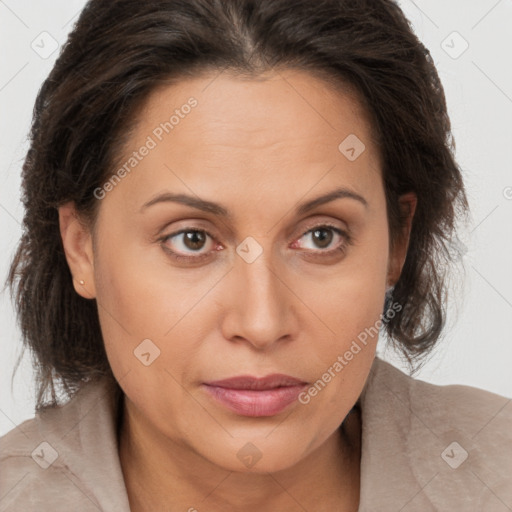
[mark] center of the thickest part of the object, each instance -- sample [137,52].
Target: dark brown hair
[121,50]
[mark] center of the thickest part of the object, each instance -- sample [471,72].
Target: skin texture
[260,148]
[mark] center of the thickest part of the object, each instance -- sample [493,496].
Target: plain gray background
[471,43]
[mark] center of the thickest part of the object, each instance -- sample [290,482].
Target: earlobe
[77,243]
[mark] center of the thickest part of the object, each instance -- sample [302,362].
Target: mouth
[256,397]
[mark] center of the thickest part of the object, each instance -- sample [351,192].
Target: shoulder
[437,446]
[468,415]
[32,473]
[42,460]
[464,407]
[29,479]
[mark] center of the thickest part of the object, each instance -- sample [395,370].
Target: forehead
[283,129]
[277,106]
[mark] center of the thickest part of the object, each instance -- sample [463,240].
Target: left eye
[323,236]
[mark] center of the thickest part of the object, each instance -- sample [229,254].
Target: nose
[260,306]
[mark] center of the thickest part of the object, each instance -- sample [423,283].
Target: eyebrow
[217,209]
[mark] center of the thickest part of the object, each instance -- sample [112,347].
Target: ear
[407,204]
[78,248]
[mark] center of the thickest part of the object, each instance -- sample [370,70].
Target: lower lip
[245,402]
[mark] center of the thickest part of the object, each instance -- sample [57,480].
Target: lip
[255,397]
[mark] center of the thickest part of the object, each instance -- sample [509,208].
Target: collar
[87,425]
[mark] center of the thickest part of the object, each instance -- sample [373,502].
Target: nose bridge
[261,281]
[261,303]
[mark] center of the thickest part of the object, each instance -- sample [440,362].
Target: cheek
[340,362]
[141,300]
[129,307]
[351,305]
[352,294]
[135,294]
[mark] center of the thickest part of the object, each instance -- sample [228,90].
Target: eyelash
[195,259]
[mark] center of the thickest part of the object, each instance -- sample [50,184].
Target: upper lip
[275,380]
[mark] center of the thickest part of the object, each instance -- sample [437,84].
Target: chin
[255,455]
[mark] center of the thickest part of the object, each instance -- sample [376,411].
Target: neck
[161,474]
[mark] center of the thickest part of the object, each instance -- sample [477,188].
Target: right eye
[187,239]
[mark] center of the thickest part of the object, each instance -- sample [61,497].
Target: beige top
[424,448]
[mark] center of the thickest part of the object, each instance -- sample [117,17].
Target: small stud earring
[82,282]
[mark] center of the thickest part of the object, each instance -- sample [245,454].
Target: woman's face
[239,278]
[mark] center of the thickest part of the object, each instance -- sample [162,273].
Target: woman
[226,202]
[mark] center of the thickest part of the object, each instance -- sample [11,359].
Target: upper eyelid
[320,224]
[312,221]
